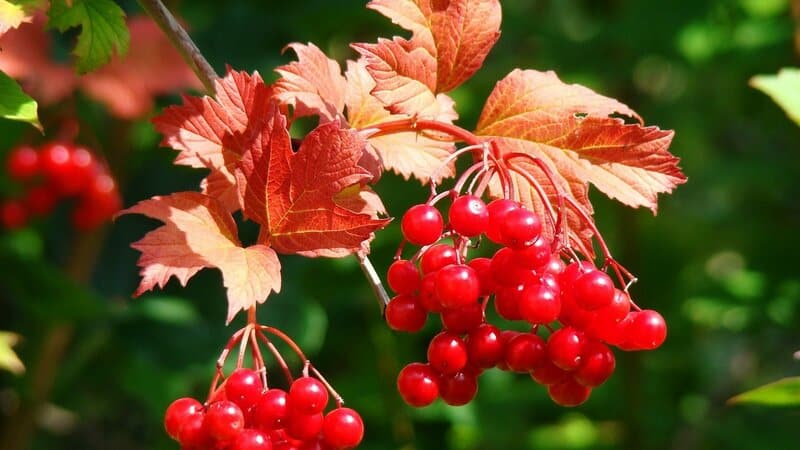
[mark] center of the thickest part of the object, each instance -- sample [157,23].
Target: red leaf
[457,33]
[292,194]
[313,85]
[151,67]
[568,127]
[408,153]
[199,233]
[215,132]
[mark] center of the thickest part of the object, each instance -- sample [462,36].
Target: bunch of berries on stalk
[55,172]
[571,310]
[244,413]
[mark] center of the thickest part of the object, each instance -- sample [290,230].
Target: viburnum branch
[237,336]
[277,355]
[328,386]
[550,177]
[181,41]
[414,124]
[552,216]
[452,157]
[243,346]
[374,280]
[286,339]
[258,359]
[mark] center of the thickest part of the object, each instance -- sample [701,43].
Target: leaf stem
[374,280]
[181,41]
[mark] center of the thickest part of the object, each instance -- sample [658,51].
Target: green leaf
[784,88]
[785,392]
[103,30]
[9,359]
[15,104]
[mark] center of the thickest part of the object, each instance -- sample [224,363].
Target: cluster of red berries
[55,172]
[243,415]
[528,281]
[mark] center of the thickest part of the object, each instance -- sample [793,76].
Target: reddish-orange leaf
[151,67]
[568,127]
[313,85]
[457,33]
[215,132]
[407,153]
[292,194]
[26,56]
[199,233]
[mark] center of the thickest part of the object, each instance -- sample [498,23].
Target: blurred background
[719,261]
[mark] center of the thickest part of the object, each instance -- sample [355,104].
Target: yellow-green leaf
[784,88]
[15,104]
[103,30]
[8,359]
[785,392]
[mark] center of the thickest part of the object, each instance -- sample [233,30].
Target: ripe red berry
[644,330]
[597,364]
[564,348]
[534,256]
[520,228]
[447,353]
[568,393]
[405,313]
[13,214]
[342,428]
[403,277]
[178,412]
[418,384]
[457,285]
[308,395]
[427,294]
[243,387]
[271,410]
[593,290]
[40,200]
[303,426]
[485,346]
[525,352]
[483,267]
[497,213]
[548,373]
[250,439]
[506,302]
[436,257]
[193,433]
[468,216]
[539,304]
[224,420]
[22,163]
[462,319]
[459,388]
[505,270]
[422,224]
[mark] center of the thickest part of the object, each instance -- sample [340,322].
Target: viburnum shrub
[537,146]
[55,172]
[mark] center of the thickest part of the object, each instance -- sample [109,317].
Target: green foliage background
[719,261]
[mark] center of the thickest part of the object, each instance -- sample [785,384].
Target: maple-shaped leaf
[406,153]
[313,85]
[103,31]
[27,57]
[152,67]
[214,132]
[292,195]
[458,34]
[199,233]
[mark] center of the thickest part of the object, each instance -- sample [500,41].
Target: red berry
[224,420]
[178,412]
[436,257]
[13,214]
[250,439]
[462,319]
[564,348]
[468,216]
[485,346]
[427,294]
[597,364]
[40,200]
[459,388]
[497,213]
[548,373]
[555,266]
[483,267]
[308,395]
[405,313]
[505,269]
[22,163]
[303,426]
[193,433]
[534,256]
[271,410]
[520,228]
[403,277]
[243,387]
[342,428]
[457,285]
[418,384]
[506,302]
[539,304]
[645,330]
[593,290]
[422,224]
[447,353]
[525,352]
[568,393]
